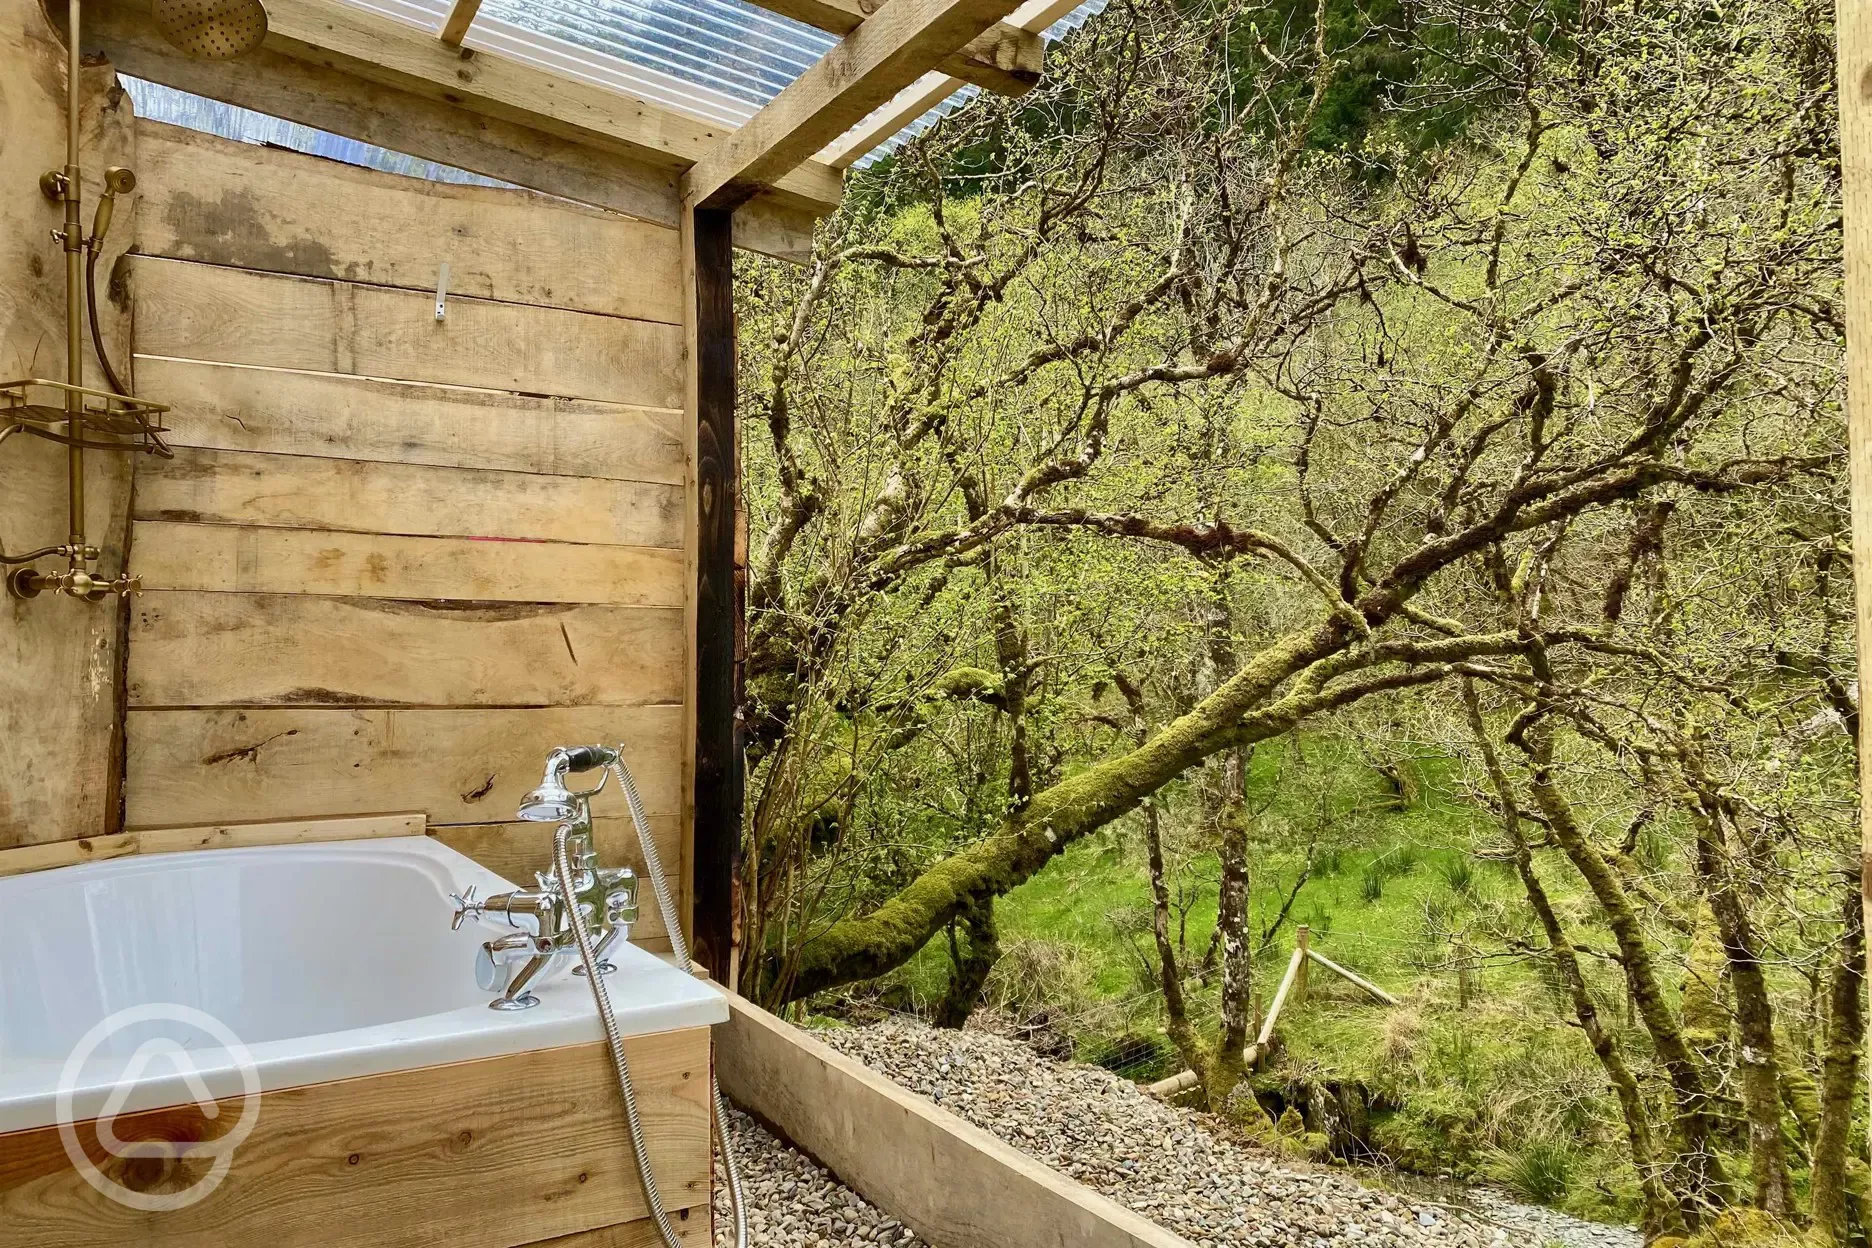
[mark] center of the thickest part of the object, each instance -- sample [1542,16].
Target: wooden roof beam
[927,92]
[1006,59]
[379,49]
[890,50]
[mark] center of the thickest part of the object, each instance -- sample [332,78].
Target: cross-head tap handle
[466,907]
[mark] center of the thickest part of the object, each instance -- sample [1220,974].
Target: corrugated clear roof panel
[722,45]
[717,60]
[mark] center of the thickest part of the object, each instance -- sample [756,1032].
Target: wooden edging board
[952,1183]
[212,836]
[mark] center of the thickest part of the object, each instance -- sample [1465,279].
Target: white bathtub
[326,961]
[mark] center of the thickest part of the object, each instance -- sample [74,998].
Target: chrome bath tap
[541,916]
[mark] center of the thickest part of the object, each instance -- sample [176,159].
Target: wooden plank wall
[395,560]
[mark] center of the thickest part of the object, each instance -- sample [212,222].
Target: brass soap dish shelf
[127,421]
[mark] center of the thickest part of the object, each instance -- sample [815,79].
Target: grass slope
[1500,1087]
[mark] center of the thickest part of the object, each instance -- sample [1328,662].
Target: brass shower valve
[75,582]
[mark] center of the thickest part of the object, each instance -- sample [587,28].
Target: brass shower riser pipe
[73,243]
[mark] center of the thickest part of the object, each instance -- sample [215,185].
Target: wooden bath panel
[487,1154]
[692,1228]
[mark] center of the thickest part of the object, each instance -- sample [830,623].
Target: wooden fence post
[1465,974]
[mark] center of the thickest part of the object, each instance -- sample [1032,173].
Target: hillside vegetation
[1375,467]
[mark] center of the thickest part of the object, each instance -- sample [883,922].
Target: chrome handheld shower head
[552,801]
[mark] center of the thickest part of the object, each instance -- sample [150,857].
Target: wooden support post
[1302,935]
[1356,980]
[1855,108]
[1280,999]
[718,626]
[1465,974]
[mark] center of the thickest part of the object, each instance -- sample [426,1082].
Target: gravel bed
[1550,1226]
[1161,1161]
[792,1203]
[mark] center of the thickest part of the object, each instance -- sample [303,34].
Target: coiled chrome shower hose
[562,866]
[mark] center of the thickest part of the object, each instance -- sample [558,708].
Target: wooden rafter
[1006,58]
[460,17]
[889,50]
[928,91]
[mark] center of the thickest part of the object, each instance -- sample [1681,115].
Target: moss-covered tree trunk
[1229,814]
[974,948]
[1661,1214]
[1839,1075]
[1703,1185]
[866,946]
[1760,1073]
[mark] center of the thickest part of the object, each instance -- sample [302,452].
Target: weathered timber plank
[239,559]
[296,491]
[235,316]
[951,1182]
[224,836]
[235,408]
[218,201]
[516,850]
[492,1152]
[384,50]
[460,17]
[457,766]
[202,649]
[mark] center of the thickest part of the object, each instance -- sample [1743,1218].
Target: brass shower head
[213,30]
